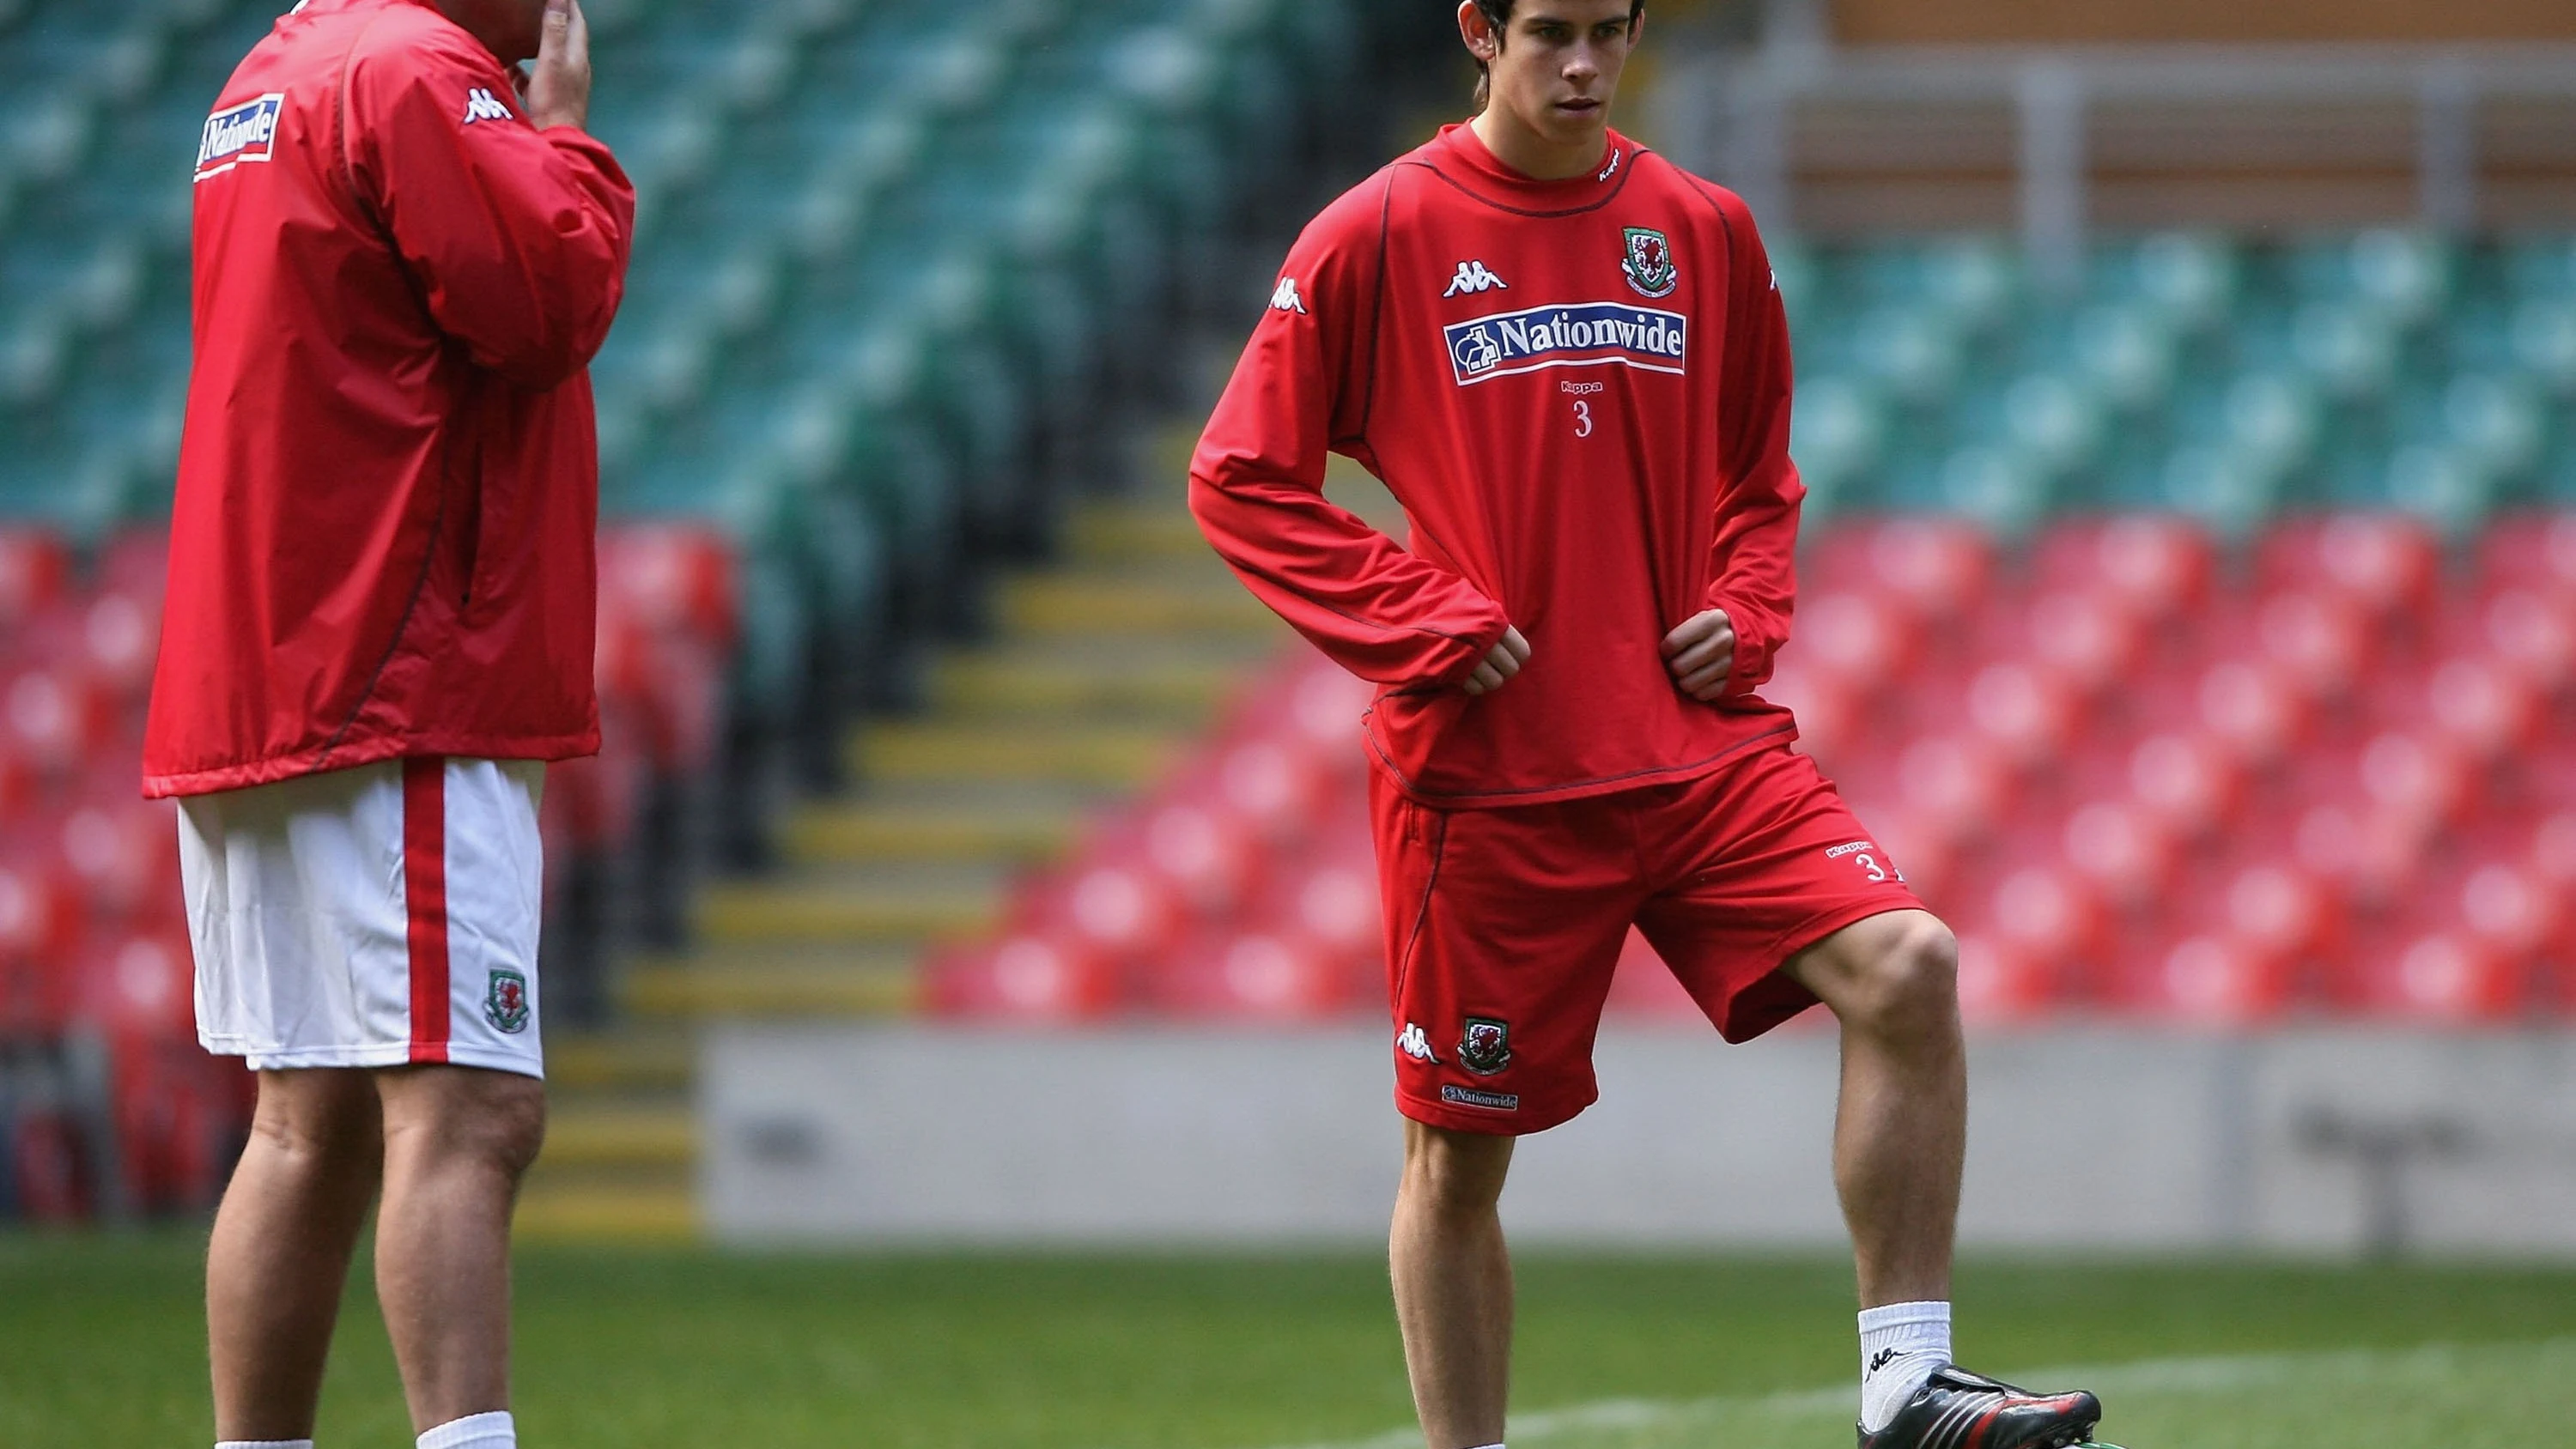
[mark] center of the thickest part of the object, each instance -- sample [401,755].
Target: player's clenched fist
[558,81]
[1701,654]
[1500,663]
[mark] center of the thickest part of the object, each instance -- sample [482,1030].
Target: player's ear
[1477,32]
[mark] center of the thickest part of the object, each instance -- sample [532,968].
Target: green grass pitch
[101,1343]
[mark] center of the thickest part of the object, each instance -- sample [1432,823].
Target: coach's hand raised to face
[1701,654]
[1500,663]
[558,83]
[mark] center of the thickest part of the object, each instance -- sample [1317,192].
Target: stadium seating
[2326,773]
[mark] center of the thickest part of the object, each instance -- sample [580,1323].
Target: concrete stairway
[1099,668]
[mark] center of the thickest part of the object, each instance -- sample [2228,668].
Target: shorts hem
[1824,923]
[1484,1121]
[369,1058]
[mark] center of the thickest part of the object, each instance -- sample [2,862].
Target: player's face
[1556,68]
[508,28]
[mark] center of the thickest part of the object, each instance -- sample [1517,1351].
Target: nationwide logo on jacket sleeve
[240,135]
[1587,334]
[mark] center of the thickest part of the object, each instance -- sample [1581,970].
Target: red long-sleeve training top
[382,542]
[1579,391]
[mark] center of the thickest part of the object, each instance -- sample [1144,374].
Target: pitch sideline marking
[2204,1374]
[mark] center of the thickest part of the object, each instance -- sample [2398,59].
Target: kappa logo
[239,136]
[1613,168]
[1474,277]
[482,105]
[1649,263]
[1415,1043]
[1587,334]
[505,1002]
[1285,298]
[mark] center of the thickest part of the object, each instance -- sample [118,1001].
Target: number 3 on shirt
[1582,418]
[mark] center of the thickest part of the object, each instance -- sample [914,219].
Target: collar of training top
[1461,158]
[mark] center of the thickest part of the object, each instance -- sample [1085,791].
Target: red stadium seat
[1277,977]
[1210,860]
[139,985]
[35,567]
[2526,633]
[1644,989]
[1853,642]
[2085,640]
[2185,782]
[2535,551]
[2025,713]
[2510,909]
[2215,981]
[2482,708]
[2154,566]
[123,851]
[56,716]
[1959,787]
[2001,981]
[1335,905]
[2250,709]
[1931,567]
[1278,791]
[2380,564]
[136,561]
[1040,976]
[671,578]
[1830,718]
[2319,643]
[2443,976]
[2120,852]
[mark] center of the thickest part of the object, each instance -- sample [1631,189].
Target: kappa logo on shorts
[1869,858]
[1490,1101]
[1415,1043]
[1485,1047]
[505,1002]
[239,136]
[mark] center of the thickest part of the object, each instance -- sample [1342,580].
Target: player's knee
[515,1130]
[1911,983]
[1454,1174]
[308,1118]
[489,1120]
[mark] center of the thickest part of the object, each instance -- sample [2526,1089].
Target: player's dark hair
[1498,14]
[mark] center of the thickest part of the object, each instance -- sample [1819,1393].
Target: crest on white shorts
[505,1002]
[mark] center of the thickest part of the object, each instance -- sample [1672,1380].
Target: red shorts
[1504,925]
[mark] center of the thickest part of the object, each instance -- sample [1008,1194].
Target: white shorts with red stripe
[369,917]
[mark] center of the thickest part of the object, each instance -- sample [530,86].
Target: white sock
[265,1444]
[475,1431]
[1901,1345]
[1489,1446]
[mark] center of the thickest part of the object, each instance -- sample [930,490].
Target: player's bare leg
[1901,1132]
[457,1142]
[1453,1283]
[279,1255]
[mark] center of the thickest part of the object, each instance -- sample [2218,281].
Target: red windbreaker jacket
[1579,391]
[383,539]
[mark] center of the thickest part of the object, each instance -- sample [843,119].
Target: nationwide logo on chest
[1584,334]
[236,137]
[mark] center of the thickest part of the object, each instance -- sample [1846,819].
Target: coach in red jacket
[379,629]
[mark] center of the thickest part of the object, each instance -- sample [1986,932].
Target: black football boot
[1961,1410]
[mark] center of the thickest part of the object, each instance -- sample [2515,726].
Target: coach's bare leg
[1453,1283]
[457,1141]
[280,1250]
[1901,1132]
